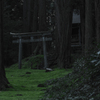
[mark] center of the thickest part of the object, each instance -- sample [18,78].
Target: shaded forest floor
[27,83]
[82,82]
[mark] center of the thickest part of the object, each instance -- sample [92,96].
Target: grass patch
[25,82]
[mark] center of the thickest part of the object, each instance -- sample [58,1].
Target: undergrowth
[82,84]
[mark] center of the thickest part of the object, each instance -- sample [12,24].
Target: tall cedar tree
[82,17]
[34,19]
[89,26]
[34,22]
[27,15]
[63,32]
[34,14]
[27,23]
[3,80]
[42,15]
[97,14]
[41,23]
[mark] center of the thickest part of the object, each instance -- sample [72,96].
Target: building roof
[76,18]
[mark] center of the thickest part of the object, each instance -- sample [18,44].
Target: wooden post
[32,45]
[79,36]
[20,53]
[44,52]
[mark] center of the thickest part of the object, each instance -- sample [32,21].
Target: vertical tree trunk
[97,13]
[35,16]
[34,25]
[3,80]
[25,27]
[89,26]
[42,15]
[41,22]
[27,24]
[27,15]
[82,15]
[63,32]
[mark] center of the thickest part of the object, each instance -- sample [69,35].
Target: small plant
[96,60]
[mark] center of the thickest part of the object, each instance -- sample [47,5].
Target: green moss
[25,86]
[30,62]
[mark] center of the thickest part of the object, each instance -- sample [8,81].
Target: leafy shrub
[82,84]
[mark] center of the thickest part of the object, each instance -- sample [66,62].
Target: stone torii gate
[43,36]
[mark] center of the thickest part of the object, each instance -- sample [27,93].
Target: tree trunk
[35,16]
[34,22]
[89,26]
[97,13]
[41,22]
[63,32]
[42,15]
[27,15]
[27,24]
[82,16]
[3,80]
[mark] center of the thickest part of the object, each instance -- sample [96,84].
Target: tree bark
[97,13]
[35,16]
[42,15]
[27,24]
[82,16]
[89,26]
[34,26]
[3,80]
[41,22]
[63,32]
[27,15]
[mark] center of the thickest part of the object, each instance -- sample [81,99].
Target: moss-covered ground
[24,82]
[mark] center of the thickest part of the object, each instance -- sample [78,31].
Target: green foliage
[14,9]
[81,84]
[50,12]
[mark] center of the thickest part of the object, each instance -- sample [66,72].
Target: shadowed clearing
[25,81]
